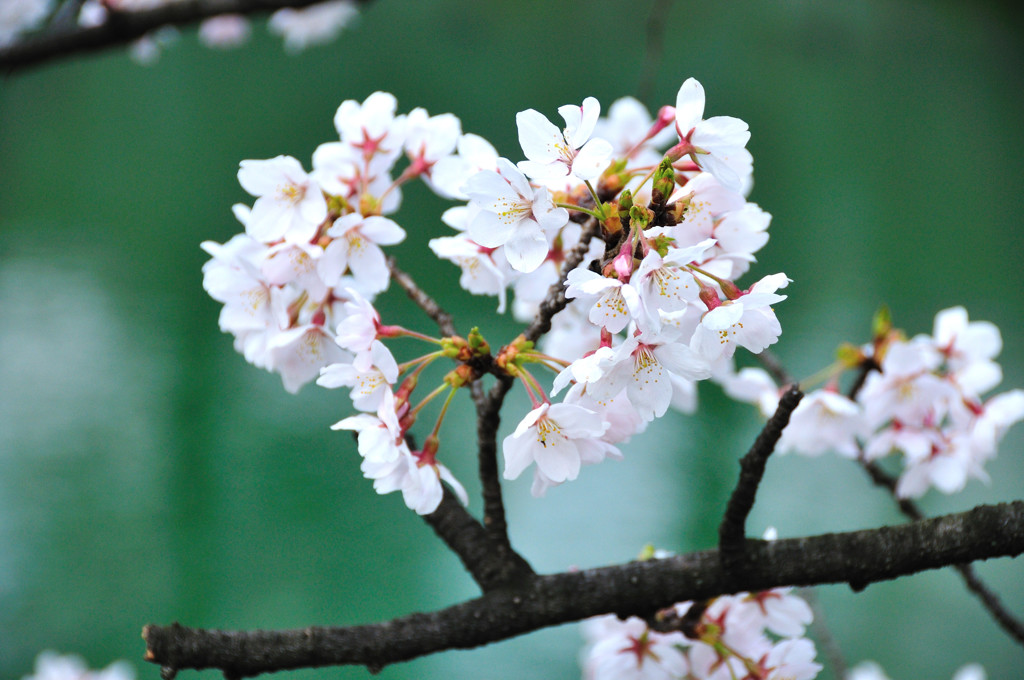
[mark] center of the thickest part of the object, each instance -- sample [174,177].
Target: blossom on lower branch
[748,636]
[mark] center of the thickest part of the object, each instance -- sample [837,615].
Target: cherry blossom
[555,153]
[289,204]
[312,25]
[717,144]
[551,436]
[513,214]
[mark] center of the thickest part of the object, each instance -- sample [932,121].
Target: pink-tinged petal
[560,461]
[490,230]
[382,231]
[689,105]
[539,137]
[516,450]
[592,159]
[721,131]
[527,249]
[683,361]
[368,265]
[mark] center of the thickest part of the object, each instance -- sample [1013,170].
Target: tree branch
[732,531]
[636,588]
[555,300]
[442,318]
[492,563]
[123,27]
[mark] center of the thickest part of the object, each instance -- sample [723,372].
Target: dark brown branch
[989,599]
[492,564]
[488,419]
[442,318]
[732,531]
[121,28]
[636,588]
[555,300]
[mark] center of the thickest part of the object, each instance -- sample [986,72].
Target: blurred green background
[148,474]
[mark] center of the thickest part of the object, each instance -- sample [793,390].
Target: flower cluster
[299,28]
[298,284]
[652,304]
[922,399]
[747,636]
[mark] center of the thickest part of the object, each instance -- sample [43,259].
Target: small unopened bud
[730,289]
[640,217]
[709,296]
[664,183]
[881,324]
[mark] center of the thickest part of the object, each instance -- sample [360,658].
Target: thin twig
[442,318]
[488,419]
[122,27]
[633,589]
[775,368]
[732,531]
[1009,623]
[821,631]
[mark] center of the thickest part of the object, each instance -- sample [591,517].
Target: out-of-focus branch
[63,40]
[732,531]
[636,588]
[430,306]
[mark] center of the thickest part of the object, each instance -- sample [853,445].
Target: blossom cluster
[652,306]
[299,28]
[922,400]
[747,636]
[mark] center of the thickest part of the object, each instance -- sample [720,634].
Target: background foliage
[147,474]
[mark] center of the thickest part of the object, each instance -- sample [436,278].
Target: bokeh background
[148,474]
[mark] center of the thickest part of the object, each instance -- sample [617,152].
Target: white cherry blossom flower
[299,353]
[628,650]
[824,421]
[53,666]
[613,304]
[747,321]
[370,375]
[481,272]
[643,366]
[551,436]
[450,173]
[720,141]
[555,153]
[289,204]
[513,214]
[356,248]
[373,129]
[312,25]
[224,31]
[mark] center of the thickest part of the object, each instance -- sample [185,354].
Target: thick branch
[491,563]
[122,28]
[732,531]
[637,588]
[988,598]
[488,419]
